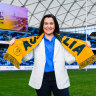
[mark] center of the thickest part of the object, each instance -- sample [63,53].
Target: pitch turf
[15,83]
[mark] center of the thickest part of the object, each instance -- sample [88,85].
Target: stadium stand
[93,35]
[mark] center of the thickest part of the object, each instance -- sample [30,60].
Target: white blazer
[60,57]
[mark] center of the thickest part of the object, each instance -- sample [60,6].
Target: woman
[49,72]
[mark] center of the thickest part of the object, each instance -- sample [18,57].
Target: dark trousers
[49,85]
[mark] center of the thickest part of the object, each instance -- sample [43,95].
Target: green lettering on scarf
[72,44]
[26,44]
[33,40]
[65,41]
[79,49]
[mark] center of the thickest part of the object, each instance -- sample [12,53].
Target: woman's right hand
[11,42]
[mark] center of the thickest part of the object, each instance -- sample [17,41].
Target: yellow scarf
[84,55]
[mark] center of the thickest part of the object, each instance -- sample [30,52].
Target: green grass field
[15,83]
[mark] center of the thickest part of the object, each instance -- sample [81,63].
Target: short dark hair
[42,23]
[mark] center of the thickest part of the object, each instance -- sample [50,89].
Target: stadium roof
[69,13]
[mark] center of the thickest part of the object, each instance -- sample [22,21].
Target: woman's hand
[88,44]
[11,42]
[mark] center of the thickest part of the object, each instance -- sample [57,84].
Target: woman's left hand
[88,44]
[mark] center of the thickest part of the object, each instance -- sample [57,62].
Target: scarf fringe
[11,59]
[87,62]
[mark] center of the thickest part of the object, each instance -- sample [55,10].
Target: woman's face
[49,26]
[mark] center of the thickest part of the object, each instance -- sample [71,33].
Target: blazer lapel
[56,47]
[42,48]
